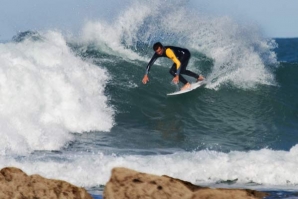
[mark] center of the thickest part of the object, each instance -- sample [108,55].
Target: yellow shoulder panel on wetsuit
[170,54]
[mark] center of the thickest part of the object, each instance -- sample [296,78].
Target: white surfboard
[192,87]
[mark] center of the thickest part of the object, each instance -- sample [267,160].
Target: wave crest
[47,92]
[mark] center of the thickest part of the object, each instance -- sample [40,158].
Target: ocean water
[73,106]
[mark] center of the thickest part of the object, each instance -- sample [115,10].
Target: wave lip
[47,92]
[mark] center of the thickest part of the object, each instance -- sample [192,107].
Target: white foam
[116,38]
[47,92]
[267,167]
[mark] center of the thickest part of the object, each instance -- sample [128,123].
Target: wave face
[239,52]
[47,92]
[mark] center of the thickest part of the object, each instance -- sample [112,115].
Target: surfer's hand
[145,79]
[176,79]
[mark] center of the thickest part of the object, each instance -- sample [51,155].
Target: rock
[129,184]
[15,184]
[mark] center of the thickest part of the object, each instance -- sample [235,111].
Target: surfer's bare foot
[186,86]
[200,78]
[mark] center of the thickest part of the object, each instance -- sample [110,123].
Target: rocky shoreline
[123,184]
[15,184]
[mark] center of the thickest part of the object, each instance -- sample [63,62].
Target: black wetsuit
[175,53]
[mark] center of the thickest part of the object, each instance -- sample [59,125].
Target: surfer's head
[158,48]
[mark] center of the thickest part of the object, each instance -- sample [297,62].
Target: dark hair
[157,45]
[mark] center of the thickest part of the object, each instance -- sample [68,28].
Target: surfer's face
[159,51]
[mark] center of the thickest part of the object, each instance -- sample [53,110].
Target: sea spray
[46,93]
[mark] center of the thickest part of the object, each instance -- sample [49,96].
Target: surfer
[180,57]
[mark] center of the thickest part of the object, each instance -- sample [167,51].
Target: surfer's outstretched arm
[151,62]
